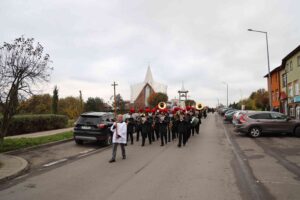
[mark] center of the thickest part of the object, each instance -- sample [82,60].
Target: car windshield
[89,120]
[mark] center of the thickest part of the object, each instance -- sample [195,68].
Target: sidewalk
[12,166]
[42,133]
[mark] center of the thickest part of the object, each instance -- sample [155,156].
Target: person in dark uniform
[156,126]
[174,122]
[130,127]
[197,128]
[145,129]
[151,122]
[188,119]
[167,116]
[163,126]
[138,127]
[182,128]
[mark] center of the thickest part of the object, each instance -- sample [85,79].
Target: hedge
[22,124]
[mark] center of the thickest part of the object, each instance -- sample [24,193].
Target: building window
[283,80]
[277,95]
[287,67]
[147,94]
[291,65]
[298,61]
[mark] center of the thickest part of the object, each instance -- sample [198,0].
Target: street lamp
[269,75]
[226,92]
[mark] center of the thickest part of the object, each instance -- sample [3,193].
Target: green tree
[94,104]
[37,104]
[155,98]
[69,106]
[120,104]
[81,102]
[55,100]
[190,102]
[23,64]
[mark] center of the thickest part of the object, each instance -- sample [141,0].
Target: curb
[14,152]
[21,170]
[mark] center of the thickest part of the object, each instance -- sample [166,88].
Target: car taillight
[101,125]
[243,119]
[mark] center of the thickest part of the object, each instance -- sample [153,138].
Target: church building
[140,92]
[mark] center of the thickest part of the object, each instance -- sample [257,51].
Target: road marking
[55,162]
[86,151]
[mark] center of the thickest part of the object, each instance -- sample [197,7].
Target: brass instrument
[162,105]
[199,106]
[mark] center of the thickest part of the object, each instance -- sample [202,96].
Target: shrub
[22,124]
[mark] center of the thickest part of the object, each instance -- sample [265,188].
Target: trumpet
[162,105]
[199,106]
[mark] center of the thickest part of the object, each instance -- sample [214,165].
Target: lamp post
[269,75]
[226,92]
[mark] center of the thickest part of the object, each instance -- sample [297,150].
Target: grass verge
[20,143]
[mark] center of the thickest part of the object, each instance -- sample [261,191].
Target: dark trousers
[138,135]
[197,127]
[163,137]
[193,131]
[182,138]
[188,134]
[152,135]
[156,133]
[115,146]
[169,135]
[130,134]
[174,134]
[144,136]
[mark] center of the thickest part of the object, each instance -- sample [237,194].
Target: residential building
[275,87]
[290,78]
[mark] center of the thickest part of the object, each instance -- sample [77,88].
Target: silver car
[259,122]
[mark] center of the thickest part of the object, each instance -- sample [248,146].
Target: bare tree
[22,66]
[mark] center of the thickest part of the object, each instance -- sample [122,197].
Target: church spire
[148,77]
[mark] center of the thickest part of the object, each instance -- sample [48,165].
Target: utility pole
[115,103]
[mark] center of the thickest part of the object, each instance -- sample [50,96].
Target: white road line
[55,162]
[86,151]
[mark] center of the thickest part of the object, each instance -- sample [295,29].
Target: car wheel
[254,132]
[79,142]
[297,131]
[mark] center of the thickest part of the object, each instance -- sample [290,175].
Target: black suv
[94,126]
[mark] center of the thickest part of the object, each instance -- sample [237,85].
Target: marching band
[165,124]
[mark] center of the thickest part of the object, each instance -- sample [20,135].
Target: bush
[22,124]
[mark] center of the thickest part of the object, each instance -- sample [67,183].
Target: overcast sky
[203,43]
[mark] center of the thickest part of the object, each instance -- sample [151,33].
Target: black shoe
[179,146]
[112,160]
[161,145]
[124,157]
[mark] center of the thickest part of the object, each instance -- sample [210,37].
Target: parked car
[224,110]
[236,116]
[93,126]
[257,123]
[229,115]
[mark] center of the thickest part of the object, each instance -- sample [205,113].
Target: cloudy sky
[203,43]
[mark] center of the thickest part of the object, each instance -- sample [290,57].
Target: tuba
[199,106]
[162,105]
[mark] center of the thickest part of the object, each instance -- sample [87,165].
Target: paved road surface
[216,164]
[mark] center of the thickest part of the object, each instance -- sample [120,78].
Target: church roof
[137,88]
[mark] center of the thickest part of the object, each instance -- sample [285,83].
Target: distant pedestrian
[119,130]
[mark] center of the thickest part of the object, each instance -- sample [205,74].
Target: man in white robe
[119,130]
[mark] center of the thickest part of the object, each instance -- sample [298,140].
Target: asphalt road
[217,164]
